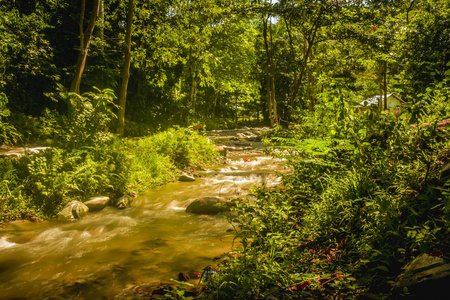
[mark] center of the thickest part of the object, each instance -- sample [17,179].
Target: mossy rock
[74,210]
[209,206]
[97,203]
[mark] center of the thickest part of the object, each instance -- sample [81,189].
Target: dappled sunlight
[155,238]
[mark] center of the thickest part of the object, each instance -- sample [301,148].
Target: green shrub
[41,130]
[365,196]
[184,147]
[8,133]
[149,169]
[87,161]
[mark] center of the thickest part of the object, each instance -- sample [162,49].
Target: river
[112,250]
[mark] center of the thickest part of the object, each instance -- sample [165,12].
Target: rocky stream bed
[106,252]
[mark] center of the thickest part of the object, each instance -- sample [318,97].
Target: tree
[27,68]
[305,19]
[85,41]
[268,46]
[125,69]
[423,49]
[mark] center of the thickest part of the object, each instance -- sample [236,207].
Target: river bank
[114,252]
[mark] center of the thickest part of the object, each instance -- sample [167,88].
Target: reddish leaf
[299,286]
[138,290]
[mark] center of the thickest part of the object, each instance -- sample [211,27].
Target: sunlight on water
[106,251]
[5,244]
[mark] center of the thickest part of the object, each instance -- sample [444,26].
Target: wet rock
[208,206]
[445,171]
[35,219]
[133,194]
[124,202]
[233,148]
[426,277]
[97,203]
[11,155]
[243,144]
[183,277]
[185,177]
[153,290]
[73,211]
[222,150]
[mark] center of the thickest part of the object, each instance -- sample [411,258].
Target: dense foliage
[87,161]
[366,195]
[220,61]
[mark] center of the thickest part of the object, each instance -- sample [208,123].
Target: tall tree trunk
[310,42]
[290,108]
[272,88]
[102,21]
[380,83]
[408,10]
[193,84]
[270,79]
[85,41]
[385,83]
[274,120]
[269,99]
[310,86]
[125,70]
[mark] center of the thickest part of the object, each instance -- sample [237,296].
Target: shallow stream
[111,250]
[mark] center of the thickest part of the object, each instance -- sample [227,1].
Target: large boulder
[426,277]
[97,203]
[74,210]
[208,206]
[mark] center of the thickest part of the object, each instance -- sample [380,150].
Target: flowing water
[108,251]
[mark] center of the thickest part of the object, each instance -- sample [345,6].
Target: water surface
[110,250]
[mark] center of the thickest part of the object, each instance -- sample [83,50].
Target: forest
[122,91]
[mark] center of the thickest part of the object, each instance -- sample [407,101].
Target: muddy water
[108,251]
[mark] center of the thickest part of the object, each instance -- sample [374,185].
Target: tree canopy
[220,61]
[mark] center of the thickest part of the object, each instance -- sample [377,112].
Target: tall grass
[86,160]
[365,197]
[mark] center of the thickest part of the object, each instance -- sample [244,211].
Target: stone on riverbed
[426,277]
[208,206]
[74,210]
[185,177]
[222,149]
[124,202]
[97,203]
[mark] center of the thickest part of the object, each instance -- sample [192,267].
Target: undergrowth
[85,160]
[366,196]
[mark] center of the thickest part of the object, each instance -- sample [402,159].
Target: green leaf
[382,268]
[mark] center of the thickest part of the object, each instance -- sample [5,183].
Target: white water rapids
[110,250]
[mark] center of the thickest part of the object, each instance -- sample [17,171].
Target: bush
[365,197]
[184,147]
[86,160]
[8,133]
